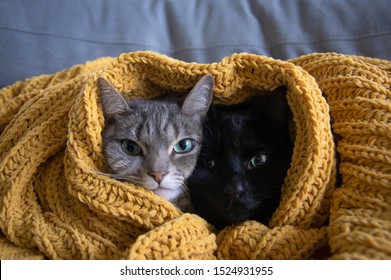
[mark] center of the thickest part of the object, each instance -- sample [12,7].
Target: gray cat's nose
[158,175]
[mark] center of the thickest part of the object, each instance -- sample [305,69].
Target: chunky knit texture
[54,204]
[358,91]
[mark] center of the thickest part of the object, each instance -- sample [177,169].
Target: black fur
[225,188]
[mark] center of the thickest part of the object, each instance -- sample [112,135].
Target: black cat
[244,158]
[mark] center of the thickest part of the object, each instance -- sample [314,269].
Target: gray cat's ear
[112,101]
[200,97]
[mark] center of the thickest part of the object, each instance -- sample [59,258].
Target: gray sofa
[42,37]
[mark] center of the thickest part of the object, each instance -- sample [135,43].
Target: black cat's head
[244,159]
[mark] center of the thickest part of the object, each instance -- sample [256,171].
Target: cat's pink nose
[158,176]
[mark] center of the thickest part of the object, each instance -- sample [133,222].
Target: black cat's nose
[157,175]
[234,192]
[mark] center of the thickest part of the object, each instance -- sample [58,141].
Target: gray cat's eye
[259,160]
[131,148]
[184,146]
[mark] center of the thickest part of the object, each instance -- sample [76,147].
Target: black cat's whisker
[271,193]
[244,145]
[209,134]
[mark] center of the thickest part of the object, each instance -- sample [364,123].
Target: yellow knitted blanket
[53,203]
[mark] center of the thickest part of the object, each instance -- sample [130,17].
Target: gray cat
[154,144]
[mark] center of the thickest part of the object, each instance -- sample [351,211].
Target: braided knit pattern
[54,204]
[358,90]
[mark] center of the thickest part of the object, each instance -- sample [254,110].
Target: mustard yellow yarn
[54,204]
[358,90]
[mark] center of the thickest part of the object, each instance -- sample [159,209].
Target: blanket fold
[54,202]
[358,92]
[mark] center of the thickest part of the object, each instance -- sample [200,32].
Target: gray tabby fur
[156,126]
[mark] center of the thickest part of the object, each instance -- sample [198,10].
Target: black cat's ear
[200,97]
[277,106]
[112,101]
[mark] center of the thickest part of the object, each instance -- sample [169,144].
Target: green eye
[259,160]
[130,147]
[184,146]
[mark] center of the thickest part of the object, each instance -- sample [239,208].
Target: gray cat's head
[154,144]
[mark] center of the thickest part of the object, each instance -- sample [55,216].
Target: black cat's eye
[210,163]
[184,146]
[259,161]
[131,148]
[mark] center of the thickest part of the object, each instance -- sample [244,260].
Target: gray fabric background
[45,36]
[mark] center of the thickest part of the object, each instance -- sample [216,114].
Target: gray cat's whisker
[142,137]
[116,176]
